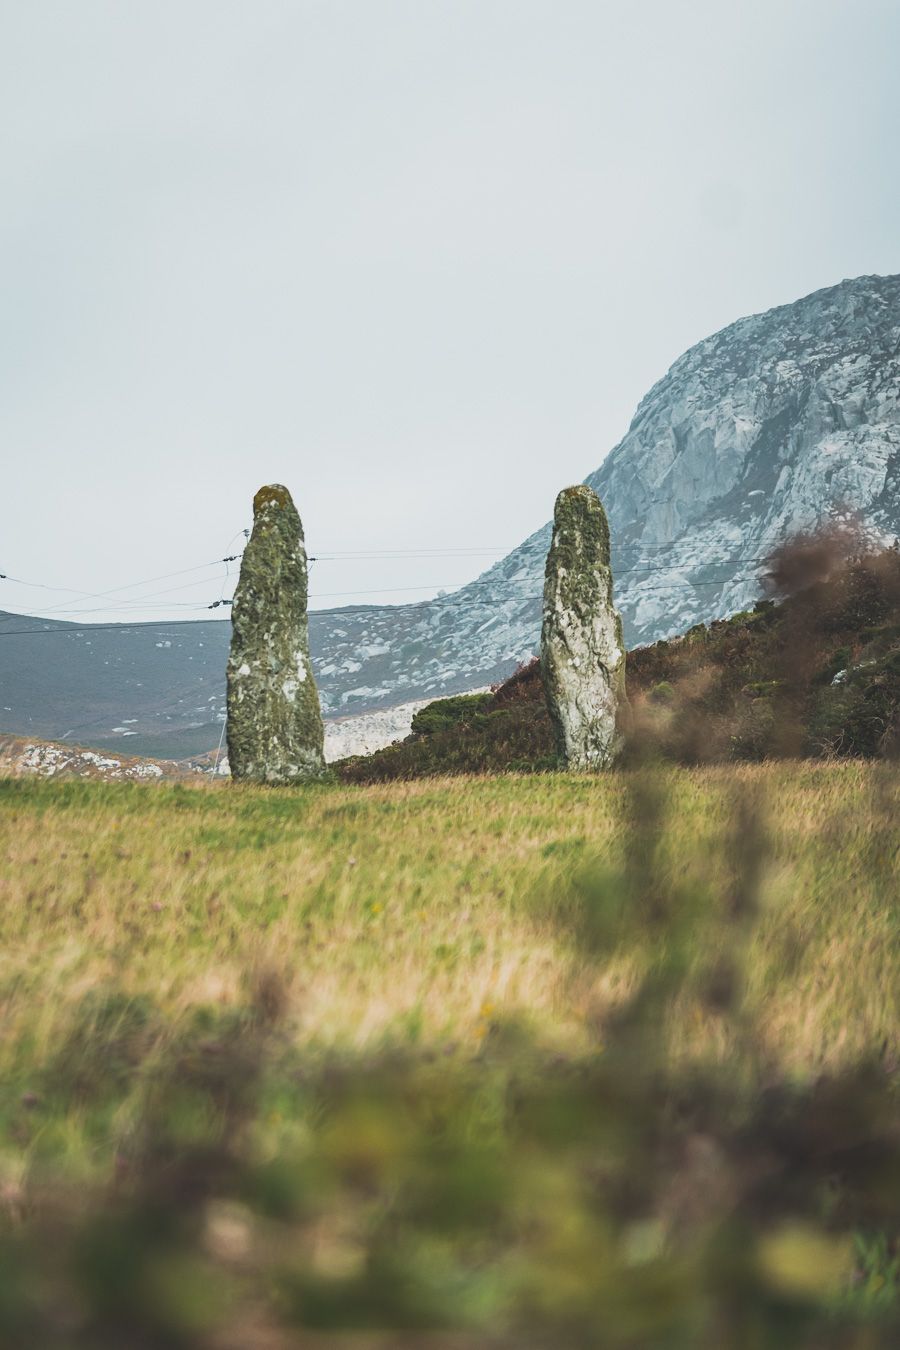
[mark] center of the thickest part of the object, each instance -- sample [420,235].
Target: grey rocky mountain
[764,428]
[767,427]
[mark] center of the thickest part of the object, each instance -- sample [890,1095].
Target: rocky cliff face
[767,427]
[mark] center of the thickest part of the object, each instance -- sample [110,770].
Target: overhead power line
[334,555]
[76,608]
[117,590]
[76,629]
[141,600]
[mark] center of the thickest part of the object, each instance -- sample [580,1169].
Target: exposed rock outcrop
[274,727]
[21,758]
[582,652]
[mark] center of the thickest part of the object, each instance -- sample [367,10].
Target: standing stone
[582,651]
[275,732]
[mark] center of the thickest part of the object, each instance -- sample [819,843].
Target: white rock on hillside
[369,732]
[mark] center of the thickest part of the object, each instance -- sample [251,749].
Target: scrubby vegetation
[812,672]
[449,712]
[507,731]
[510,1062]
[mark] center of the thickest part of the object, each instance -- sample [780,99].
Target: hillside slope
[817,674]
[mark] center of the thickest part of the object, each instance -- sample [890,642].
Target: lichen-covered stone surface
[274,725]
[582,651]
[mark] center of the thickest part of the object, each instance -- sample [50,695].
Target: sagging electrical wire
[343,611]
[137,602]
[142,599]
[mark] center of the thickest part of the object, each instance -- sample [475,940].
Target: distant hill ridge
[762,429]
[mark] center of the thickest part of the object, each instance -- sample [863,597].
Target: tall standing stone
[582,651]
[274,729]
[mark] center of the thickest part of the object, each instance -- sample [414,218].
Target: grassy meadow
[418,914]
[510,1061]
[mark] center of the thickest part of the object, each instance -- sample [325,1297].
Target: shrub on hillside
[444,713]
[506,731]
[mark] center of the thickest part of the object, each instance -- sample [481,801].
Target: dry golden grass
[426,911]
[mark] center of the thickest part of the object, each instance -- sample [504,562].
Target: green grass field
[396,914]
[510,1061]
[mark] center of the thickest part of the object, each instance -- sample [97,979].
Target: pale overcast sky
[417,259]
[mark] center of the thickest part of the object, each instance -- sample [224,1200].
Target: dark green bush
[839,661]
[449,712]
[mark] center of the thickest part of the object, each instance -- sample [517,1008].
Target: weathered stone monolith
[274,728]
[582,652]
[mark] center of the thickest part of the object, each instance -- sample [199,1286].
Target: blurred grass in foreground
[510,1062]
